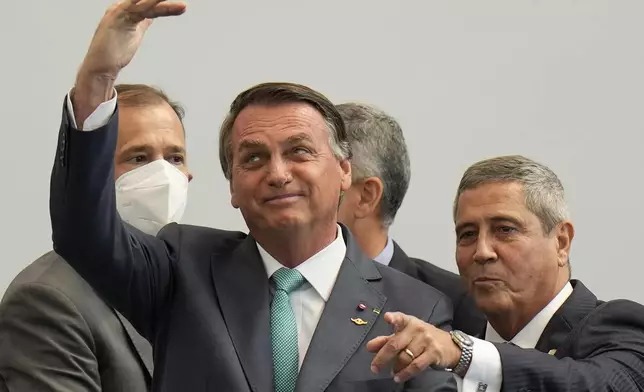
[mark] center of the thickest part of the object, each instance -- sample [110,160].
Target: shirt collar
[530,334]
[385,256]
[320,270]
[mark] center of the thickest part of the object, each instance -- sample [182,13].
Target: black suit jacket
[56,334]
[599,347]
[467,317]
[201,295]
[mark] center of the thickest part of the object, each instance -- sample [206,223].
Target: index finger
[397,320]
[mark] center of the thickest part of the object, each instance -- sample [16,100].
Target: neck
[510,322]
[293,247]
[371,236]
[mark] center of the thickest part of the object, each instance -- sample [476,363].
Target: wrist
[455,356]
[465,345]
[90,90]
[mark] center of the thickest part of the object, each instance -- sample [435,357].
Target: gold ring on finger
[408,352]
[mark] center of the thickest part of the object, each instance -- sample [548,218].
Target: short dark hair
[277,94]
[139,95]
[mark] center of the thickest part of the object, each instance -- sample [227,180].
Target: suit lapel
[140,345]
[578,305]
[243,293]
[336,337]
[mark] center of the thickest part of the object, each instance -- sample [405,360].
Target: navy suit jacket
[201,296]
[599,347]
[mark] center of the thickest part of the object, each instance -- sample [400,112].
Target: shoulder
[201,238]
[446,281]
[49,287]
[402,288]
[433,270]
[50,271]
[618,313]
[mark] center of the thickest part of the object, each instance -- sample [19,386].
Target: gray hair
[379,150]
[272,94]
[544,193]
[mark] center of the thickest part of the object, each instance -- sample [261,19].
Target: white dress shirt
[486,368]
[98,118]
[320,271]
[308,301]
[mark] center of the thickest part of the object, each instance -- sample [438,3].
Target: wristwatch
[466,344]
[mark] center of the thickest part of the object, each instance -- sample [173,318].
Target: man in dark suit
[545,331]
[56,333]
[380,174]
[288,307]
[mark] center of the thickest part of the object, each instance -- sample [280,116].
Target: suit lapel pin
[362,307]
[552,352]
[358,321]
[376,310]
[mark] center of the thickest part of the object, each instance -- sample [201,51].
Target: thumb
[397,320]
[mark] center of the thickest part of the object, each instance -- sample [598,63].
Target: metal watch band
[466,346]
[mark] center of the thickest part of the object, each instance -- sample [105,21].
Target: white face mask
[151,196]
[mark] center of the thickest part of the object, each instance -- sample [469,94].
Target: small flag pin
[362,307]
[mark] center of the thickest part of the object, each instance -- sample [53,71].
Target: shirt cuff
[99,118]
[485,371]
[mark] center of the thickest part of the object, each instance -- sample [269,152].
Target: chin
[285,222]
[490,302]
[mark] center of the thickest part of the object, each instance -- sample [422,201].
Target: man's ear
[565,233]
[370,196]
[345,167]
[233,199]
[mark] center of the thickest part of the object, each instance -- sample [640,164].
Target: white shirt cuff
[485,372]
[99,118]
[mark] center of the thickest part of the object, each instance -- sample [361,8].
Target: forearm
[89,92]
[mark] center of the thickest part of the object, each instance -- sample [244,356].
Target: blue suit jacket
[201,295]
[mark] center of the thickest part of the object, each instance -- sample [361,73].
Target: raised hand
[113,46]
[121,31]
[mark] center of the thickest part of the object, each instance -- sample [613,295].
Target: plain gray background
[560,81]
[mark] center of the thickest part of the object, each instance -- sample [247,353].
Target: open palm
[121,31]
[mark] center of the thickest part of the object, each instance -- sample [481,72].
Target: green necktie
[284,330]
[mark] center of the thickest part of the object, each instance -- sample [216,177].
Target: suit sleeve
[45,344]
[610,346]
[130,270]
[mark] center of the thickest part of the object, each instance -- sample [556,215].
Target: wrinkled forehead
[489,201]
[274,123]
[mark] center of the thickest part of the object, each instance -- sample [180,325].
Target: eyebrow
[291,140]
[494,219]
[144,148]
[300,137]
[250,144]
